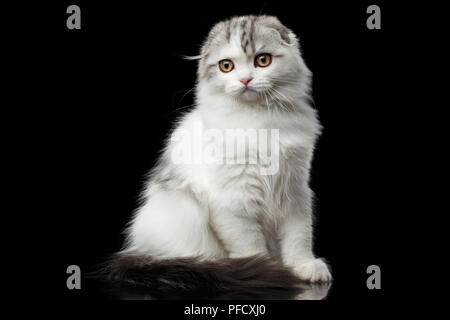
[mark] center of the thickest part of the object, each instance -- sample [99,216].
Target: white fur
[216,211]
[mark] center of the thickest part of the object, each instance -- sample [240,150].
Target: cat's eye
[263,60]
[226,65]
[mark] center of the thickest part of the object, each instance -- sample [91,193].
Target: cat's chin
[249,96]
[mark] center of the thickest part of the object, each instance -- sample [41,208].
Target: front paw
[313,271]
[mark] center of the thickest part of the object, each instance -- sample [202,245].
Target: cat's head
[253,58]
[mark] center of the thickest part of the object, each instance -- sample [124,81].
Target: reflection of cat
[227,226]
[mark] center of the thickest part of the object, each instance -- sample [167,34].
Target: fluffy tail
[255,277]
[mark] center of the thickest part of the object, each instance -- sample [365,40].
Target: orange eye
[226,65]
[263,60]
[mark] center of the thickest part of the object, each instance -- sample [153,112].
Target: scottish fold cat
[218,215]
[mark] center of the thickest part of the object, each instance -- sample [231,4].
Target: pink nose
[246,81]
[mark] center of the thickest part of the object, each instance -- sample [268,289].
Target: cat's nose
[246,81]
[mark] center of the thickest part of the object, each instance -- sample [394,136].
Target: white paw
[313,271]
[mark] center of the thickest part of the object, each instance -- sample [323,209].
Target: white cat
[251,76]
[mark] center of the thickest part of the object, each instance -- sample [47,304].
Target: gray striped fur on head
[246,28]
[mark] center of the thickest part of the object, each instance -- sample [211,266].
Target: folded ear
[287,37]
[213,33]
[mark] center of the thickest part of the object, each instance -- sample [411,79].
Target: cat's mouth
[249,89]
[246,93]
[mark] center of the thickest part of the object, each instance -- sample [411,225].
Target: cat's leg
[296,242]
[239,232]
[173,224]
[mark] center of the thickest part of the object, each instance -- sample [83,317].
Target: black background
[105,97]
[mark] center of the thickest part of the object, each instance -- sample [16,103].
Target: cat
[211,228]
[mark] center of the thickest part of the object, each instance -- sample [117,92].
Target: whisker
[281,96]
[267,101]
[284,78]
[178,108]
[277,100]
